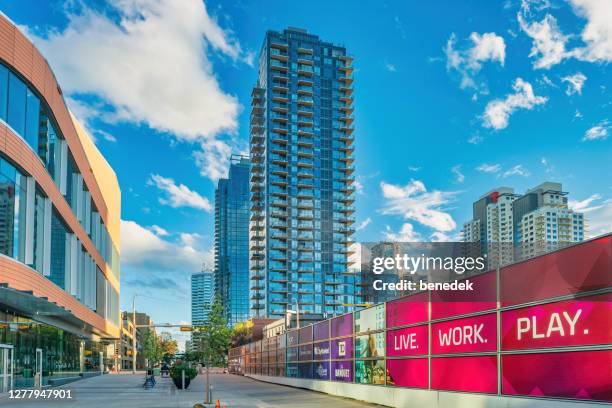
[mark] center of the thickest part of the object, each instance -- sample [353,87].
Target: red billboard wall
[467,335]
[408,310]
[578,374]
[452,303]
[411,372]
[470,374]
[576,322]
[579,268]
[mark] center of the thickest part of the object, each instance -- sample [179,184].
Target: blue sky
[451,100]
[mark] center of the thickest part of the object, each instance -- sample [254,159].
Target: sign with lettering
[321,370]
[342,348]
[410,372]
[576,322]
[408,310]
[292,338]
[471,334]
[305,352]
[321,351]
[410,341]
[578,374]
[342,371]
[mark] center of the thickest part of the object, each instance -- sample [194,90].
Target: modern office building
[202,297]
[232,202]
[60,207]
[302,178]
[522,226]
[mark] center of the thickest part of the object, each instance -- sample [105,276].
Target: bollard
[183,379]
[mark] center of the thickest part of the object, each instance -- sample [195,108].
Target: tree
[241,333]
[169,348]
[214,336]
[151,347]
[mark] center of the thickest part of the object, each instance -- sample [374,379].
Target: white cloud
[598,214]
[597,34]
[548,167]
[363,224]
[489,168]
[414,202]
[190,240]
[405,234]
[147,62]
[538,5]
[517,170]
[179,195]
[475,139]
[459,176]
[141,248]
[597,132]
[574,83]
[468,62]
[438,236]
[358,187]
[497,112]
[414,168]
[157,230]
[213,159]
[585,205]
[107,136]
[390,67]
[548,41]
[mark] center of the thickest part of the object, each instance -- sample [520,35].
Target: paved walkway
[125,391]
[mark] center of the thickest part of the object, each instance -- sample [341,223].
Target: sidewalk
[126,391]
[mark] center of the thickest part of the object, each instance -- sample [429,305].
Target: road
[125,391]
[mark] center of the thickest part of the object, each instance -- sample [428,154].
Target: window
[17,96]
[12,211]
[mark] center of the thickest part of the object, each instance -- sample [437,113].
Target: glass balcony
[305,101]
[277,277]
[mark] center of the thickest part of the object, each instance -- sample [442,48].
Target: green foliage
[169,347]
[213,337]
[151,347]
[176,371]
[241,333]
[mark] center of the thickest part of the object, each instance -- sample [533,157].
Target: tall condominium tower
[232,201]
[302,178]
[202,297]
[531,224]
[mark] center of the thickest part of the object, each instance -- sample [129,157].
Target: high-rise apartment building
[522,226]
[232,202]
[202,298]
[302,178]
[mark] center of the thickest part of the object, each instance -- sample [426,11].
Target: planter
[179,382]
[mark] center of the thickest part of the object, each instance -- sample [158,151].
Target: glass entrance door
[6,368]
